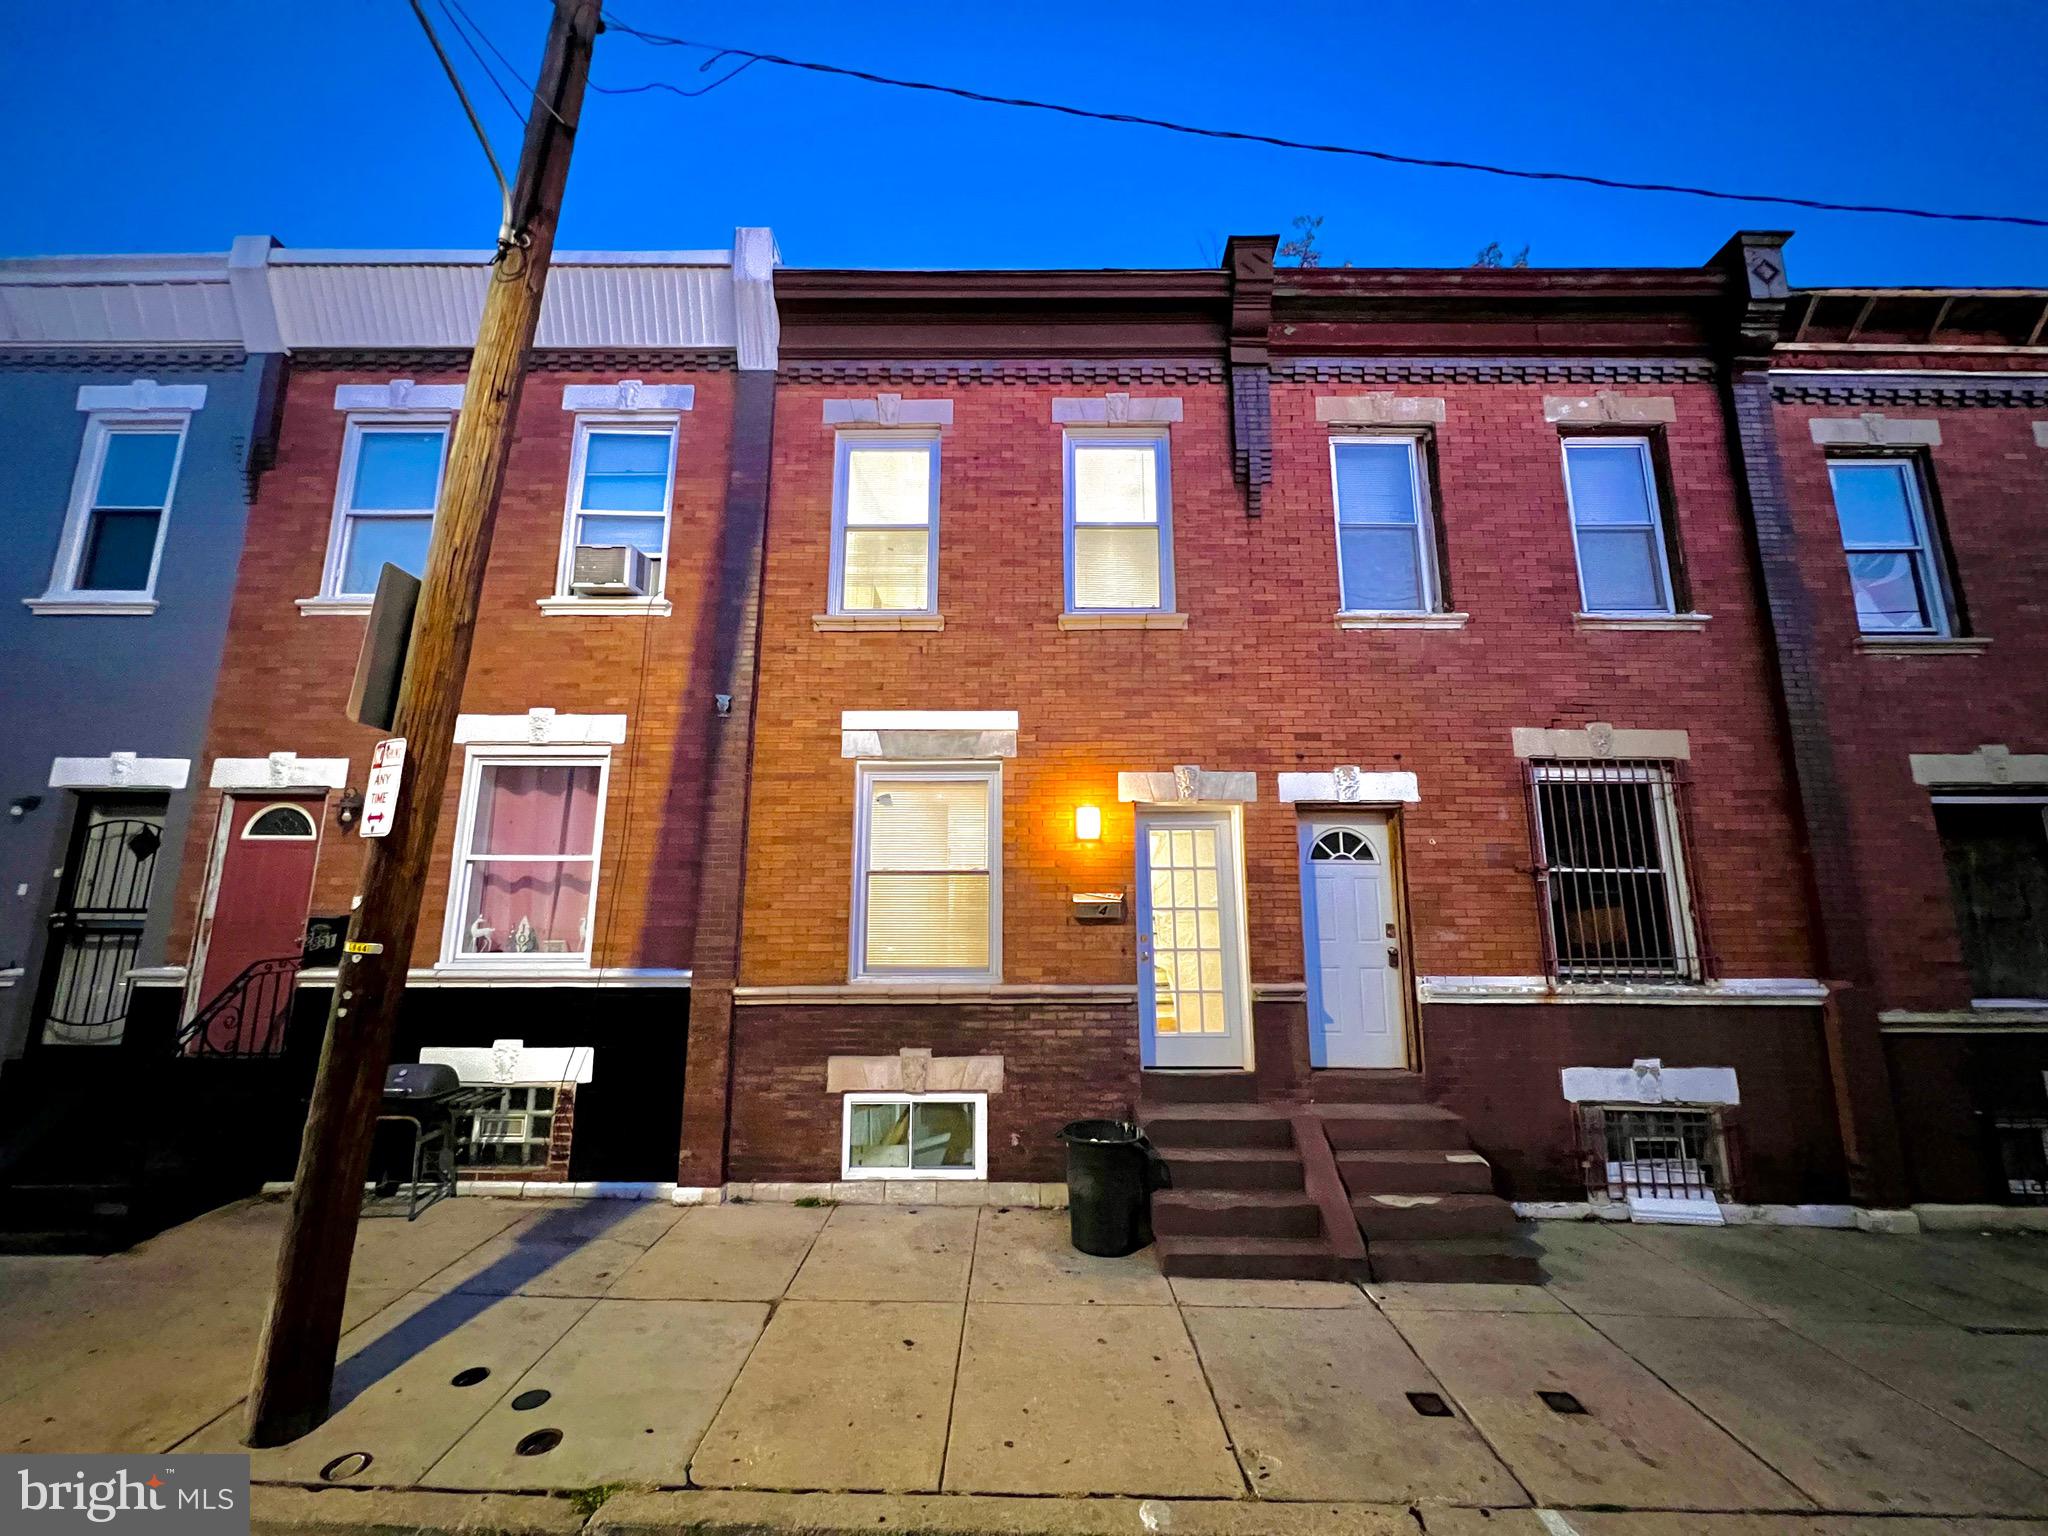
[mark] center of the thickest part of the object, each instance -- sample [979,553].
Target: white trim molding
[1606,408]
[608,976]
[1649,1081]
[1187,784]
[1600,739]
[885,410]
[914,1070]
[1380,408]
[1873,429]
[1093,619]
[629,395]
[1670,621]
[877,623]
[142,395]
[869,994]
[332,607]
[1396,619]
[120,770]
[1349,785]
[1789,992]
[81,605]
[2041,434]
[511,1063]
[398,395]
[280,770]
[540,728]
[938,735]
[757,324]
[1988,765]
[1116,409]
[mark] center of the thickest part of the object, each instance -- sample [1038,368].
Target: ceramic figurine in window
[480,934]
[524,940]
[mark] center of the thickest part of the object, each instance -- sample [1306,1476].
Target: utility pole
[295,1361]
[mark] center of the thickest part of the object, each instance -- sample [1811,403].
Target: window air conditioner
[609,570]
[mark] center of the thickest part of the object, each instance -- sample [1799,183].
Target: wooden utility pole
[295,1361]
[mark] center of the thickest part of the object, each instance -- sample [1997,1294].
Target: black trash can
[1109,1184]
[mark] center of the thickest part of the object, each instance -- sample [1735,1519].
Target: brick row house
[1415,740]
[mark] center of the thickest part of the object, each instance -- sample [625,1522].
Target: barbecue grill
[412,1160]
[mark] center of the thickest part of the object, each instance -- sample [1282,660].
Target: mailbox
[1098,906]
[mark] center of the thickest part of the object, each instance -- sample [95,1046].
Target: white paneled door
[1351,932]
[1191,989]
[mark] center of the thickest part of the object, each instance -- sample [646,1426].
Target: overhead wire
[1278,141]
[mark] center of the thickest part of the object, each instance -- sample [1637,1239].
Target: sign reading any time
[380,797]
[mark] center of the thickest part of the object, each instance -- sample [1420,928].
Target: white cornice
[539,728]
[629,395]
[142,395]
[120,770]
[398,395]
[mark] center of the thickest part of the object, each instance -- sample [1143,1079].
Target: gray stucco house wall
[92,670]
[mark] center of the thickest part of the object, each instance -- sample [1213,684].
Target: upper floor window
[621,485]
[1119,522]
[1618,526]
[1386,547]
[526,858]
[384,506]
[927,877]
[1611,865]
[1894,569]
[120,504]
[885,524]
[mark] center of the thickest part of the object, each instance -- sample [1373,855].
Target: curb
[287,1511]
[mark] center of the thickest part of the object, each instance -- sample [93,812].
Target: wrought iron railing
[1656,1153]
[249,1017]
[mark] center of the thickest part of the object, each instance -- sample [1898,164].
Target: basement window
[1996,849]
[513,1130]
[915,1136]
[1651,1158]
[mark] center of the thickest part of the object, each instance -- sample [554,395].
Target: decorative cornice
[939,735]
[142,395]
[1492,370]
[888,410]
[280,770]
[1187,784]
[1875,389]
[540,728]
[629,395]
[398,395]
[542,359]
[1117,409]
[120,770]
[914,372]
[120,360]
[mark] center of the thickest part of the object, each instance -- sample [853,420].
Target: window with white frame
[885,524]
[1119,522]
[1618,526]
[914,1136]
[384,506]
[927,889]
[621,486]
[513,1129]
[1611,867]
[1386,545]
[1894,570]
[526,851]
[120,503]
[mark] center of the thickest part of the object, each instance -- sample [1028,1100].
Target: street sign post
[380,799]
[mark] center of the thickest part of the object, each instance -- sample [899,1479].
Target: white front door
[1191,991]
[1352,938]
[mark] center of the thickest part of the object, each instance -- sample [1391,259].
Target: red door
[259,904]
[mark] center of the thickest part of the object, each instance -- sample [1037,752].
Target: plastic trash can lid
[1103,1133]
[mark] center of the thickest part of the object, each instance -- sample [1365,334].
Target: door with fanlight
[1191,987]
[1351,935]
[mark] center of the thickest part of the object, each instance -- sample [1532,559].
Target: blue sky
[176,126]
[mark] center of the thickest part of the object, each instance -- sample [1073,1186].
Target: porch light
[1088,823]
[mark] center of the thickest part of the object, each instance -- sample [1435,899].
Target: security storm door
[1191,990]
[96,929]
[1349,930]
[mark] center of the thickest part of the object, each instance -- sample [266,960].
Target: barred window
[1610,865]
[513,1131]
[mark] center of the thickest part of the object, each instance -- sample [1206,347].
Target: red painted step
[1384,1218]
[1161,1087]
[1364,1085]
[1235,1213]
[1234,1167]
[1214,1125]
[1392,1128]
[1247,1258]
[1432,1172]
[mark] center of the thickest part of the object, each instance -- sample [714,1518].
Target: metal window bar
[1610,851]
[97,934]
[1662,1154]
[2020,1148]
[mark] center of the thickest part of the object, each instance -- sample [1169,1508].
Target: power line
[482,63]
[1167,125]
[498,53]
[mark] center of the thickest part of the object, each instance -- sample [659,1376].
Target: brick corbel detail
[1249,260]
[1758,293]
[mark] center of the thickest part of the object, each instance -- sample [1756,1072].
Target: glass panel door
[1190,981]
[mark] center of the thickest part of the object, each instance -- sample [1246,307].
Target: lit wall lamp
[1088,823]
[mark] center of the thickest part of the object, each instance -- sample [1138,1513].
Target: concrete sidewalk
[947,1368]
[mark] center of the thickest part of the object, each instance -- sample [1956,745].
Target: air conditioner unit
[609,570]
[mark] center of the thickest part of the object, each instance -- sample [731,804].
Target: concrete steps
[1431,1172]
[1398,1218]
[1393,1128]
[1235,1213]
[1248,1258]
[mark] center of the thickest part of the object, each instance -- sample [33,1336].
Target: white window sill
[1366,619]
[1922,645]
[1651,621]
[109,605]
[876,623]
[1123,621]
[591,607]
[468,975]
[907,1175]
[344,607]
